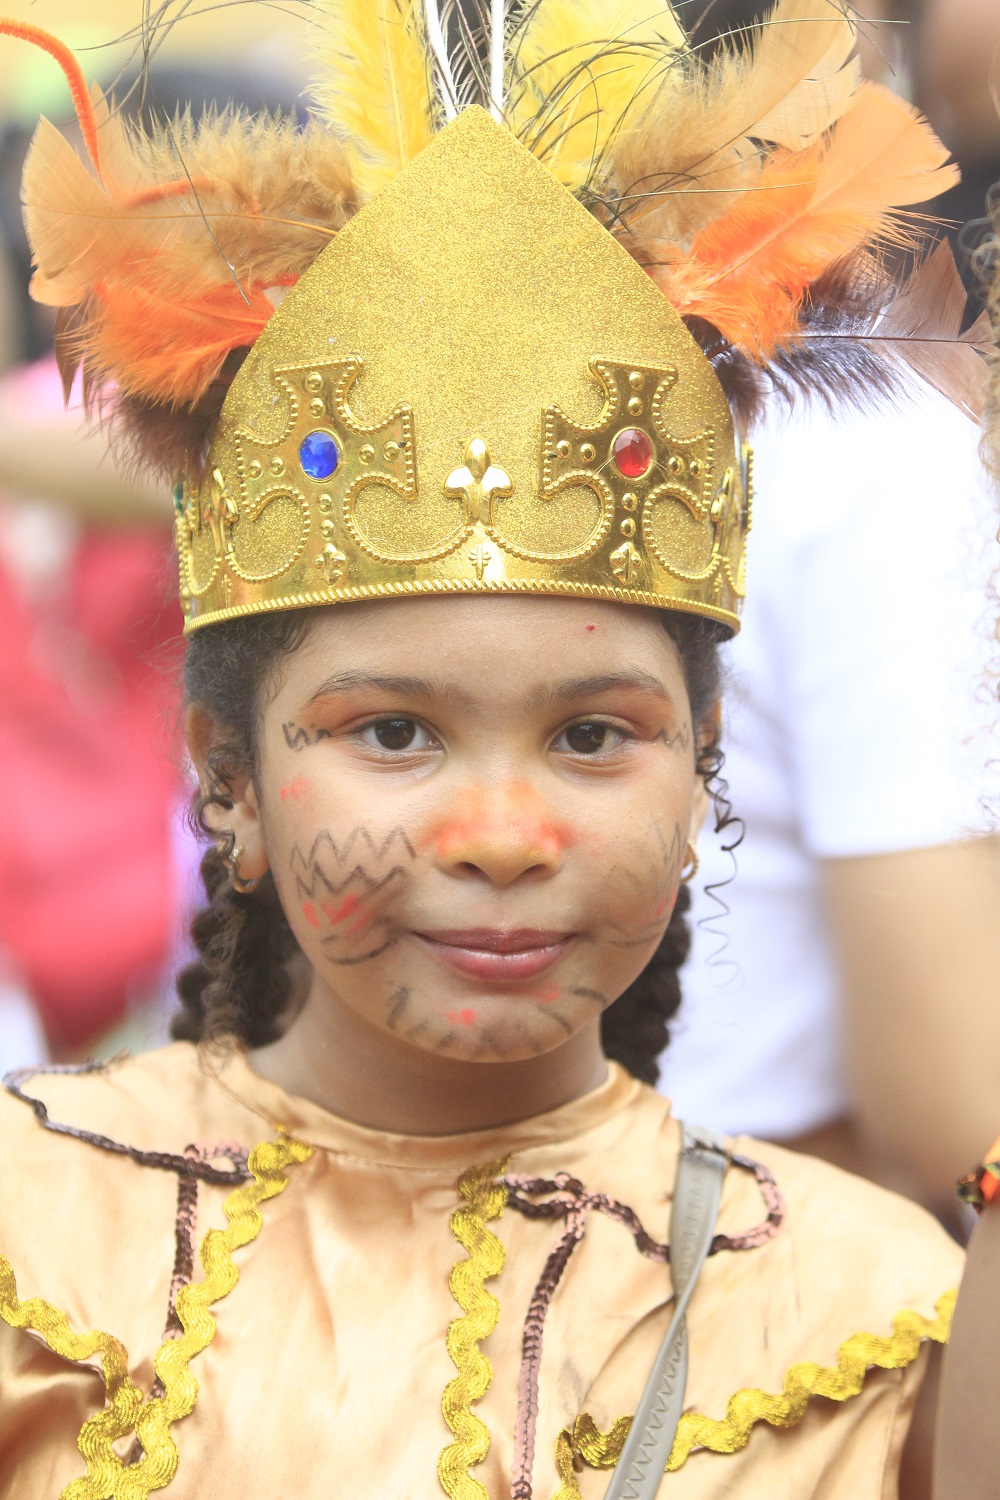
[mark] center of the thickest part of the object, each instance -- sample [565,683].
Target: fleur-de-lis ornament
[478,482]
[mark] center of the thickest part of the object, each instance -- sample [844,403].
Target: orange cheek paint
[461,1017]
[309,912]
[546,996]
[295,789]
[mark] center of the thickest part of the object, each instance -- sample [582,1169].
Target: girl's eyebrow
[346,682]
[635,681]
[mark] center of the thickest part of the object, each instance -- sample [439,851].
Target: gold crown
[473,389]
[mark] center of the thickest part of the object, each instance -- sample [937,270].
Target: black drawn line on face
[365,888]
[672,855]
[358,958]
[489,1041]
[679,740]
[588,994]
[297,737]
[642,941]
[546,1010]
[498,1040]
[684,736]
[397,1005]
[325,842]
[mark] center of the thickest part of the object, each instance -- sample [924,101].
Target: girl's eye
[398,733]
[590,737]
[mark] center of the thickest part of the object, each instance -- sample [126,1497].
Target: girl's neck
[332,1057]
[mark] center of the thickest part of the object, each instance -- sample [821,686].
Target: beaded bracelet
[983,1185]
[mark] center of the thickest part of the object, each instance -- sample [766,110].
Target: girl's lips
[499,956]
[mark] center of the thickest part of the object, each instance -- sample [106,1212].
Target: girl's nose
[502,833]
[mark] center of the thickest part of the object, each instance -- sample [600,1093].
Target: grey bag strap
[697,1191]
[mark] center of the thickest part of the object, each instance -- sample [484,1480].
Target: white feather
[497,49]
[442,63]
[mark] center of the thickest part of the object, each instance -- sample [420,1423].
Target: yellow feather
[374,90]
[699,145]
[580,69]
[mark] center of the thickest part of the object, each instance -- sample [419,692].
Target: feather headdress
[761,189]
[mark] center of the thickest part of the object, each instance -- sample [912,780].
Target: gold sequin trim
[485,1200]
[855,1357]
[107,1477]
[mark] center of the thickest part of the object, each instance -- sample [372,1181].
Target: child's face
[476,813]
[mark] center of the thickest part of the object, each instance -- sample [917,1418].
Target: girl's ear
[243,820]
[709,731]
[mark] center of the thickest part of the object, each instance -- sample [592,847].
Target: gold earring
[690,870]
[244,887]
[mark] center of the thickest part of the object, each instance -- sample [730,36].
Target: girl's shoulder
[826,1209]
[156,1102]
[820,1285]
[842,1274]
[93,1156]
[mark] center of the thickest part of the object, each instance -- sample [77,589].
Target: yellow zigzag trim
[485,1199]
[855,1357]
[107,1477]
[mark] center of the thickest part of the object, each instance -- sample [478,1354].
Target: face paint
[461,1017]
[513,812]
[669,901]
[337,912]
[380,869]
[295,789]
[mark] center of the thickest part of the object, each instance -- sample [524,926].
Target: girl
[461,520]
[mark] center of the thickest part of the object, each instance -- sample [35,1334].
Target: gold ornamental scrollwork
[576,455]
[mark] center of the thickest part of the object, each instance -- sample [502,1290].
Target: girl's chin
[490,1029]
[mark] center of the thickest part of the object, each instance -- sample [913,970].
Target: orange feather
[749,270]
[145,263]
[73,74]
[167,344]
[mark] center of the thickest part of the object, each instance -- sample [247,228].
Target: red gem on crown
[632,453]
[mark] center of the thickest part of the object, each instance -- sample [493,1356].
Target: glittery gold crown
[473,389]
[482,378]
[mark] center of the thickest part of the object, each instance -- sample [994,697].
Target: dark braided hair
[245,981]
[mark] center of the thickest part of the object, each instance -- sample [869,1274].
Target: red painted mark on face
[590,627]
[357,926]
[461,1017]
[344,909]
[547,995]
[296,789]
[309,912]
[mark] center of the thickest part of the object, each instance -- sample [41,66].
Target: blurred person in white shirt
[847,1000]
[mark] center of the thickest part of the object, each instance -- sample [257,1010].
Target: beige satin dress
[374,1315]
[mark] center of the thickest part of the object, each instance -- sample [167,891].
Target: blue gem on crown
[319,455]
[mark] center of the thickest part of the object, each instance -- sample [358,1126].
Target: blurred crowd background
[843,988]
